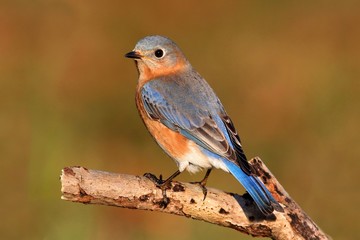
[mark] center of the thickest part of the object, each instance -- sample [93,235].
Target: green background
[287,73]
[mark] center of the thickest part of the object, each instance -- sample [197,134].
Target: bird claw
[154,179]
[203,188]
[165,200]
[163,185]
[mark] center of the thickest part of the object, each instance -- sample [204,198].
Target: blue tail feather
[257,190]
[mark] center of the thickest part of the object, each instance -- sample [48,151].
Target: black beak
[133,54]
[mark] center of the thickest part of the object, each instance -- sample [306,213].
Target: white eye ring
[159,53]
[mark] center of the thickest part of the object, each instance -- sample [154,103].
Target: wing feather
[211,128]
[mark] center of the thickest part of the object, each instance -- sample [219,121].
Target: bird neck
[147,74]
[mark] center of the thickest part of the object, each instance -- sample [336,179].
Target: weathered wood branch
[225,209]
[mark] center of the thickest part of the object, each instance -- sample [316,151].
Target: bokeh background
[287,73]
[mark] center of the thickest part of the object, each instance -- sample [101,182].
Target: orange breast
[173,143]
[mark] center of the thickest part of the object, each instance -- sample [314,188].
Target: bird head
[157,56]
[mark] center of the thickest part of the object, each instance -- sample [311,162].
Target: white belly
[195,160]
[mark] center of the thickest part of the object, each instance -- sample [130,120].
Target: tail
[257,190]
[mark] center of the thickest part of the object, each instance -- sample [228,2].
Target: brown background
[287,73]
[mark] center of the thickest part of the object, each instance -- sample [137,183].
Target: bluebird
[188,121]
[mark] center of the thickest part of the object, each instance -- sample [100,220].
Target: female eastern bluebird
[187,119]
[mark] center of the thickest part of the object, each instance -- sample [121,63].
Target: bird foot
[163,185]
[203,188]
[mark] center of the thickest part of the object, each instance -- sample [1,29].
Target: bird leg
[163,185]
[202,183]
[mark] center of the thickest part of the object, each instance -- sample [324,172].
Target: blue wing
[192,109]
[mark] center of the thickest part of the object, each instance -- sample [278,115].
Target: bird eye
[159,53]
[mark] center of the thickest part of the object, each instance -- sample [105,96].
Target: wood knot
[178,188]
[223,211]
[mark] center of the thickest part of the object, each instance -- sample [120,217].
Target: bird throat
[137,66]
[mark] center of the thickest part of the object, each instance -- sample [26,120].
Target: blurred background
[287,73]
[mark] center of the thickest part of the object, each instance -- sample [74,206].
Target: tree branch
[225,209]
